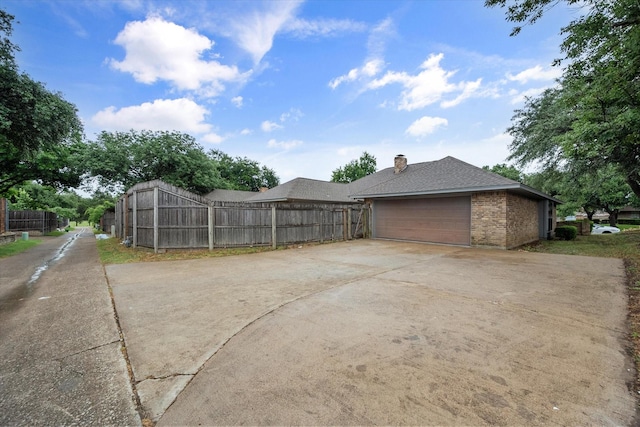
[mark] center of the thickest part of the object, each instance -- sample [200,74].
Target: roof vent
[399,163]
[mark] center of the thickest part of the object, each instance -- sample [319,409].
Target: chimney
[399,163]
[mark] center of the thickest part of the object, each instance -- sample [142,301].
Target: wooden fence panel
[37,221]
[182,220]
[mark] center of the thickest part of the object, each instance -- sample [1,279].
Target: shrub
[566,232]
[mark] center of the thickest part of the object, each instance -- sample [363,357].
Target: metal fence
[36,221]
[159,216]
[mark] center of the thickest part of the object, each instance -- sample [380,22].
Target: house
[450,201]
[220,195]
[445,201]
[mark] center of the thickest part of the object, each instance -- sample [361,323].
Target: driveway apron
[378,332]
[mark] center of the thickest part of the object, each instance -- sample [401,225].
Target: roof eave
[515,186]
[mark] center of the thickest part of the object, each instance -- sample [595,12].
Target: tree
[598,100]
[506,171]
[119,160]
[241,173]
[355,169]
[40,132]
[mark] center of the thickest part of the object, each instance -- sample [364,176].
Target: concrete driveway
[378,332]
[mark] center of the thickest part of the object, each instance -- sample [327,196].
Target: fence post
[274,243]
[155,219]
[349,221]
[134,218]
[321,227]
[210,223]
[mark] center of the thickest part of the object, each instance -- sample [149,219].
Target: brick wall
[503,220]
[489,219]
[522,220]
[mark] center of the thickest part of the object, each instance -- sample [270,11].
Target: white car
[604,229]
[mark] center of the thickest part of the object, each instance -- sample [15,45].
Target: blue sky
[301,87]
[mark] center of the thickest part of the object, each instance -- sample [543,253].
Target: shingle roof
[307,190]
[445,176]
[230,195]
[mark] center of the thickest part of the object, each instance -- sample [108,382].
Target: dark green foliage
[355,169]
[241,173]
[591,121]
[566,232]
[506,171]
[119,160]
[40,132]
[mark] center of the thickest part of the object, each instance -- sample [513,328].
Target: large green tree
[119,160]
[40,132]
[355,169]
[593,118]
[241,173]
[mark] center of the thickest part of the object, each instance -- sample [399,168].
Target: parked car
[604,229]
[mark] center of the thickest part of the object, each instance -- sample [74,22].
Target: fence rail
[164,217]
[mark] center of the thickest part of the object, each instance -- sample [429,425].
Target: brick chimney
[399,163]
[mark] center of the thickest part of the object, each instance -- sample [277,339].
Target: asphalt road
[60,351]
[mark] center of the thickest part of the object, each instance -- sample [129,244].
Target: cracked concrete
[373,332]
[60,349]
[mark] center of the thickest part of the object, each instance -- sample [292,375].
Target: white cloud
[237,101]
[369,69]
[284,145]
[427,87]
[245,132]
[160,50]
[293,114]
[303,28]
[255,30]
[426,125]
[535,73]
[374,63]
[212,138]
[268,126]
[162,114]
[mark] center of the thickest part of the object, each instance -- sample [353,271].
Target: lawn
[624,245]
[16,247]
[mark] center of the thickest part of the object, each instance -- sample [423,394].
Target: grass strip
[112,251]
[18,246]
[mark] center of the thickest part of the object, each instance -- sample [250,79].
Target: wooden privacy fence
[41,221]
[159,216]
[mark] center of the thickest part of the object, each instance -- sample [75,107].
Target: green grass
[16,247]
[113,252]
[55,233]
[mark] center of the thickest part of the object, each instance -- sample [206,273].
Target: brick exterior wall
[522,220]
[503,220]
[489,219]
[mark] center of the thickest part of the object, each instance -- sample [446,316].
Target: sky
[302,87]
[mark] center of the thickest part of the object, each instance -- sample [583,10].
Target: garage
[434,220]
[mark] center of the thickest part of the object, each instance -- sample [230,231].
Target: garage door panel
[438,220]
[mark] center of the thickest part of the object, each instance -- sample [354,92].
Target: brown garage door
[438,220]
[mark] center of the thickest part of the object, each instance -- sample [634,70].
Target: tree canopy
[119,160]
[40,132]
[591,120]
[355,169]
[241,173]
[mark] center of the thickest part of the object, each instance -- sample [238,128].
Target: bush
[566,232]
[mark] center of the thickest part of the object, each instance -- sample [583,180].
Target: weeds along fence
[33,221]
[160,216]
